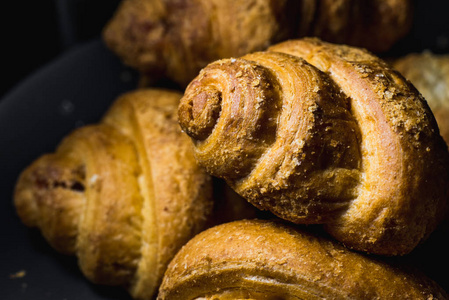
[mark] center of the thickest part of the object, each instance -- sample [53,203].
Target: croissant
[320,133]
[178,38]
[430,74]
[256,259]
[122,195]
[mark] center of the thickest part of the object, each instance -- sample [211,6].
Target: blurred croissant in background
[175,39]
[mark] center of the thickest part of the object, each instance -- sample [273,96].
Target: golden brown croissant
[327,134]
[256,259]
[122,195]
[178,38]
[430,74]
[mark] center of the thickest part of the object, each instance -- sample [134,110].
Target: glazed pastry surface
[256,259]
[122,195]
[325,134]
[178,38]
[430,74]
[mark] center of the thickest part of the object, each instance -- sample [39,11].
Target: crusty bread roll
[176,39]
[430,74]
[122,195]
[267,260]
[323,133]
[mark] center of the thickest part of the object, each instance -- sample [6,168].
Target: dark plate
[76,89]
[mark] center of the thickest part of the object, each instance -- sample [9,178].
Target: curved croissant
[178,38]
[122,195]
[430,74]
[327,134]
[267,260]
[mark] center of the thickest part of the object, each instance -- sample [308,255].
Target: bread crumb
[93,179]
[19,274]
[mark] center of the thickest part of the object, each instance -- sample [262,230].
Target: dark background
[35,32]
[57,75]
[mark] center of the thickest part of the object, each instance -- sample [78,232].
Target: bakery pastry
[176,39]
[429,72]
[270,260]
[320,133]
[122,195]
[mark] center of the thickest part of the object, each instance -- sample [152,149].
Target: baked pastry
[320,133]
[267,260]
[122,195]
[430,74]
[178,38]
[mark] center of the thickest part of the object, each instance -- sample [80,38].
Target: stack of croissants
[291,163]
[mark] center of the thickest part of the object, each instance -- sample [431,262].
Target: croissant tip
[199,112]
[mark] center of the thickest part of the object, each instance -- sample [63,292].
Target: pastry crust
[256,259]
[178,38]
[323,133]
[122,195]
[430,74]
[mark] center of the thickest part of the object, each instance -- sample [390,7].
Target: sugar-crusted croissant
[267,260]
[430,74]
[327,134]
[122,195]
[178,38]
